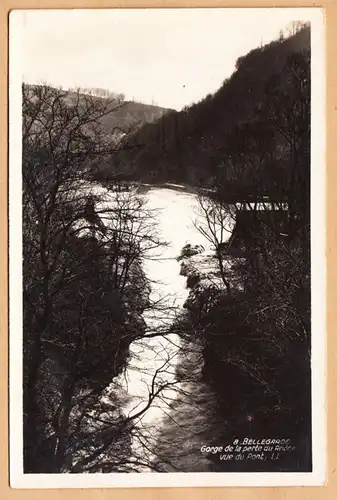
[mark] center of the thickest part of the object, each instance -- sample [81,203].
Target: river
[158,356]
[153,360]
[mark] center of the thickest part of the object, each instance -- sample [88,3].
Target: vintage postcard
[167,247]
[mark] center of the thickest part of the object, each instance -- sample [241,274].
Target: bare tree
[215,222]
[84,289]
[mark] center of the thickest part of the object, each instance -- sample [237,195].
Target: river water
[157,357]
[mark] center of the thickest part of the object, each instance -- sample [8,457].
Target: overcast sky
[170,57]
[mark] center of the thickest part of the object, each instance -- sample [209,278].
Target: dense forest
[246,336]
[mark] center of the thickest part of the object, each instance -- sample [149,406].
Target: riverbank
[144,187]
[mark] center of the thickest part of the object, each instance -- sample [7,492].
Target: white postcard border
[318,294]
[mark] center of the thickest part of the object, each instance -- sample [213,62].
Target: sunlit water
[157,357]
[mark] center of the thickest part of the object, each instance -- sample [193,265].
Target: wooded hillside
[195,145]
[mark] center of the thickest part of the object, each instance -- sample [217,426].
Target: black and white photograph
[167,247]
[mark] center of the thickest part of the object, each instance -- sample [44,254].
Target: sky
[170,57]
